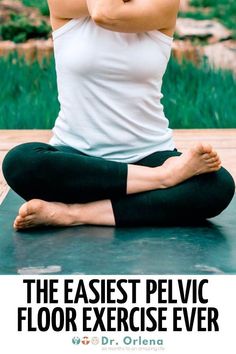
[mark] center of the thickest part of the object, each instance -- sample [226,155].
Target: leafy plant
[224,10]
[20,28]
[197,15]
[42,5]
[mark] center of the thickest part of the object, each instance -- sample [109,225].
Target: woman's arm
[134,15]
[119,15]
[67,9]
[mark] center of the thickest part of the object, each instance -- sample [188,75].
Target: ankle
[96,213]
[161,177]
[76,214]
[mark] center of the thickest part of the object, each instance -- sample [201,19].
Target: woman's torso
[109,86]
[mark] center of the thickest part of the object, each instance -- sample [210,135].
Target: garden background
[199,86]
[199,92]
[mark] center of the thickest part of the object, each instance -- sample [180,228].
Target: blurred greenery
[196,15]
[42,5]
[199,97]
[203,40]
[20,28]
[223,10]
[193,97]
[28,94]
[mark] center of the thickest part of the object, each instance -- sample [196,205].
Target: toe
[201,148]
[19,219]
[198,147]
[213,160]
[28,218]
[206,156]
[213,153]
[19,223]
[211,157]
[16,225]
[206,149]
[27,225]
[23,211]
[23,225]
[215,167]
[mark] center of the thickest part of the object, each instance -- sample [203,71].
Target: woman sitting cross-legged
[112,159]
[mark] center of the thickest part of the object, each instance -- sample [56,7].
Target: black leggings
[42,171]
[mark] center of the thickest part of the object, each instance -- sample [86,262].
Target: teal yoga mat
[198,249]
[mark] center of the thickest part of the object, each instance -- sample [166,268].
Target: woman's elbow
[104,16]
[99,17]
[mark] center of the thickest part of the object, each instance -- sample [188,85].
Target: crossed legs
[65,188]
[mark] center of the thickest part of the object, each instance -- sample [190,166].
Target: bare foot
[37,212]
[197,160]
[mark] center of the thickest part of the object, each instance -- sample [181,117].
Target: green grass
[199,97]
[223,10]
[193,98]
[28,95]
[40,4]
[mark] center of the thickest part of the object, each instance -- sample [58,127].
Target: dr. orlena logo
[85,340]
[76,340]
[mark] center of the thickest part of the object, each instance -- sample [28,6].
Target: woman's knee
[220,189]
[20,162]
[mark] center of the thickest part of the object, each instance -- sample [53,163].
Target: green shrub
[224,10]
[42,5]
[210,3]
[197,15]
[20,28]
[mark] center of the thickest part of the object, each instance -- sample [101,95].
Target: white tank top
[109,86]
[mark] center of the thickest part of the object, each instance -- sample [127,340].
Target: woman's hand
[134,15]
